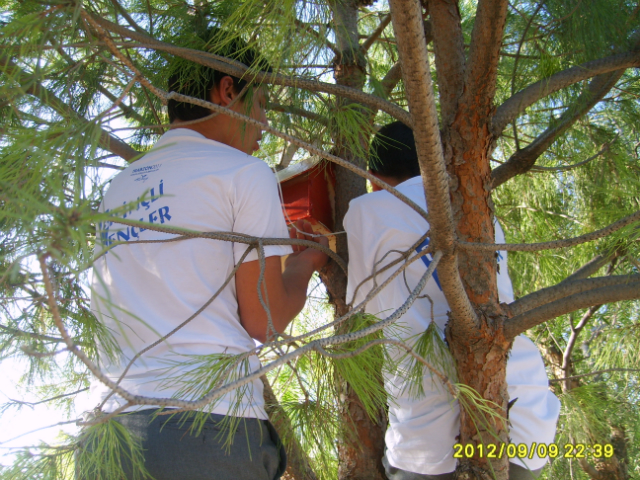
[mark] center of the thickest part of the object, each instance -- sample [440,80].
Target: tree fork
[457,190]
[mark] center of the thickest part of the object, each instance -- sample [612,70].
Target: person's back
[422,429]
[142,291]
[175,304]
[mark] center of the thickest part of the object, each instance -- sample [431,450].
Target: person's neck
[206,128]
[393,181]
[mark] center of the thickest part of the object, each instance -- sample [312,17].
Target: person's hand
[304,231]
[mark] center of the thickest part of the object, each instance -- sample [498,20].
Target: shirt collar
[412,181]
[174,134]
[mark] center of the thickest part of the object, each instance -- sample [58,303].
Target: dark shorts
[516,472]
[172,451]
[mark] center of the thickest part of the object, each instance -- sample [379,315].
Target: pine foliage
[67,99]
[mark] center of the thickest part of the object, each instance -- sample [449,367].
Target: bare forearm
[295,279]
[285,291]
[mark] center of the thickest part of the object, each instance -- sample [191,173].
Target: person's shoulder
[185,142]
[364,207]
[383,200]
[370,199]
[246,166]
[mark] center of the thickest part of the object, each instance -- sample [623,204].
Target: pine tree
[524,111]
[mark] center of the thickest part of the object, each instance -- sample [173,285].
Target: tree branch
[277,107]
[412,47]
[36,336]
[237,69]
[616,293]
[127,17]
[565,168]
[515,105]
[35,88]
[391,79]
[573,338]
[592,266]
[322,38]
[376,33]
[449,55]
[394,75]
[565,289]
[484,52]
[522,160]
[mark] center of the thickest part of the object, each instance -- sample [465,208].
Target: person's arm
[286,291]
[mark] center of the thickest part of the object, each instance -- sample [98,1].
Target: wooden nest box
[308,193]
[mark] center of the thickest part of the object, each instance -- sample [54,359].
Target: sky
[15,422]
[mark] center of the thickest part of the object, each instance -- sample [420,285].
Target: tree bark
[475,329]
[360,454]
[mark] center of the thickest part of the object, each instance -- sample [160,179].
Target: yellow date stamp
[542,450]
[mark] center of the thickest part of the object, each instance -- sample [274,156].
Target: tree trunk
[481,363]
[360,453]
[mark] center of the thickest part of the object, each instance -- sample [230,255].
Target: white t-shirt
[422,431]
[142,291]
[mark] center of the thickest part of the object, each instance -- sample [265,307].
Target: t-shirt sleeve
[257,211]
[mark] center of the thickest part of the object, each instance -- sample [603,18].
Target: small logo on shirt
[427,259]
[143,172]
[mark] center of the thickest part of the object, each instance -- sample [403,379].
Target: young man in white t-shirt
[422,430]
[199,176]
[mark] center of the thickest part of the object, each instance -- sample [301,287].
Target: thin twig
[403,256]
[57,397]
[36,336]
[237,69]
[322,38]
[38,429]
[569,242]
[599,372]
[565,168]
[323,342]
[184,323]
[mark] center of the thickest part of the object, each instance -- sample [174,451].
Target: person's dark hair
[393,152]
[195,80]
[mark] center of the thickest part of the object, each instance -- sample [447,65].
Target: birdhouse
[308,193]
